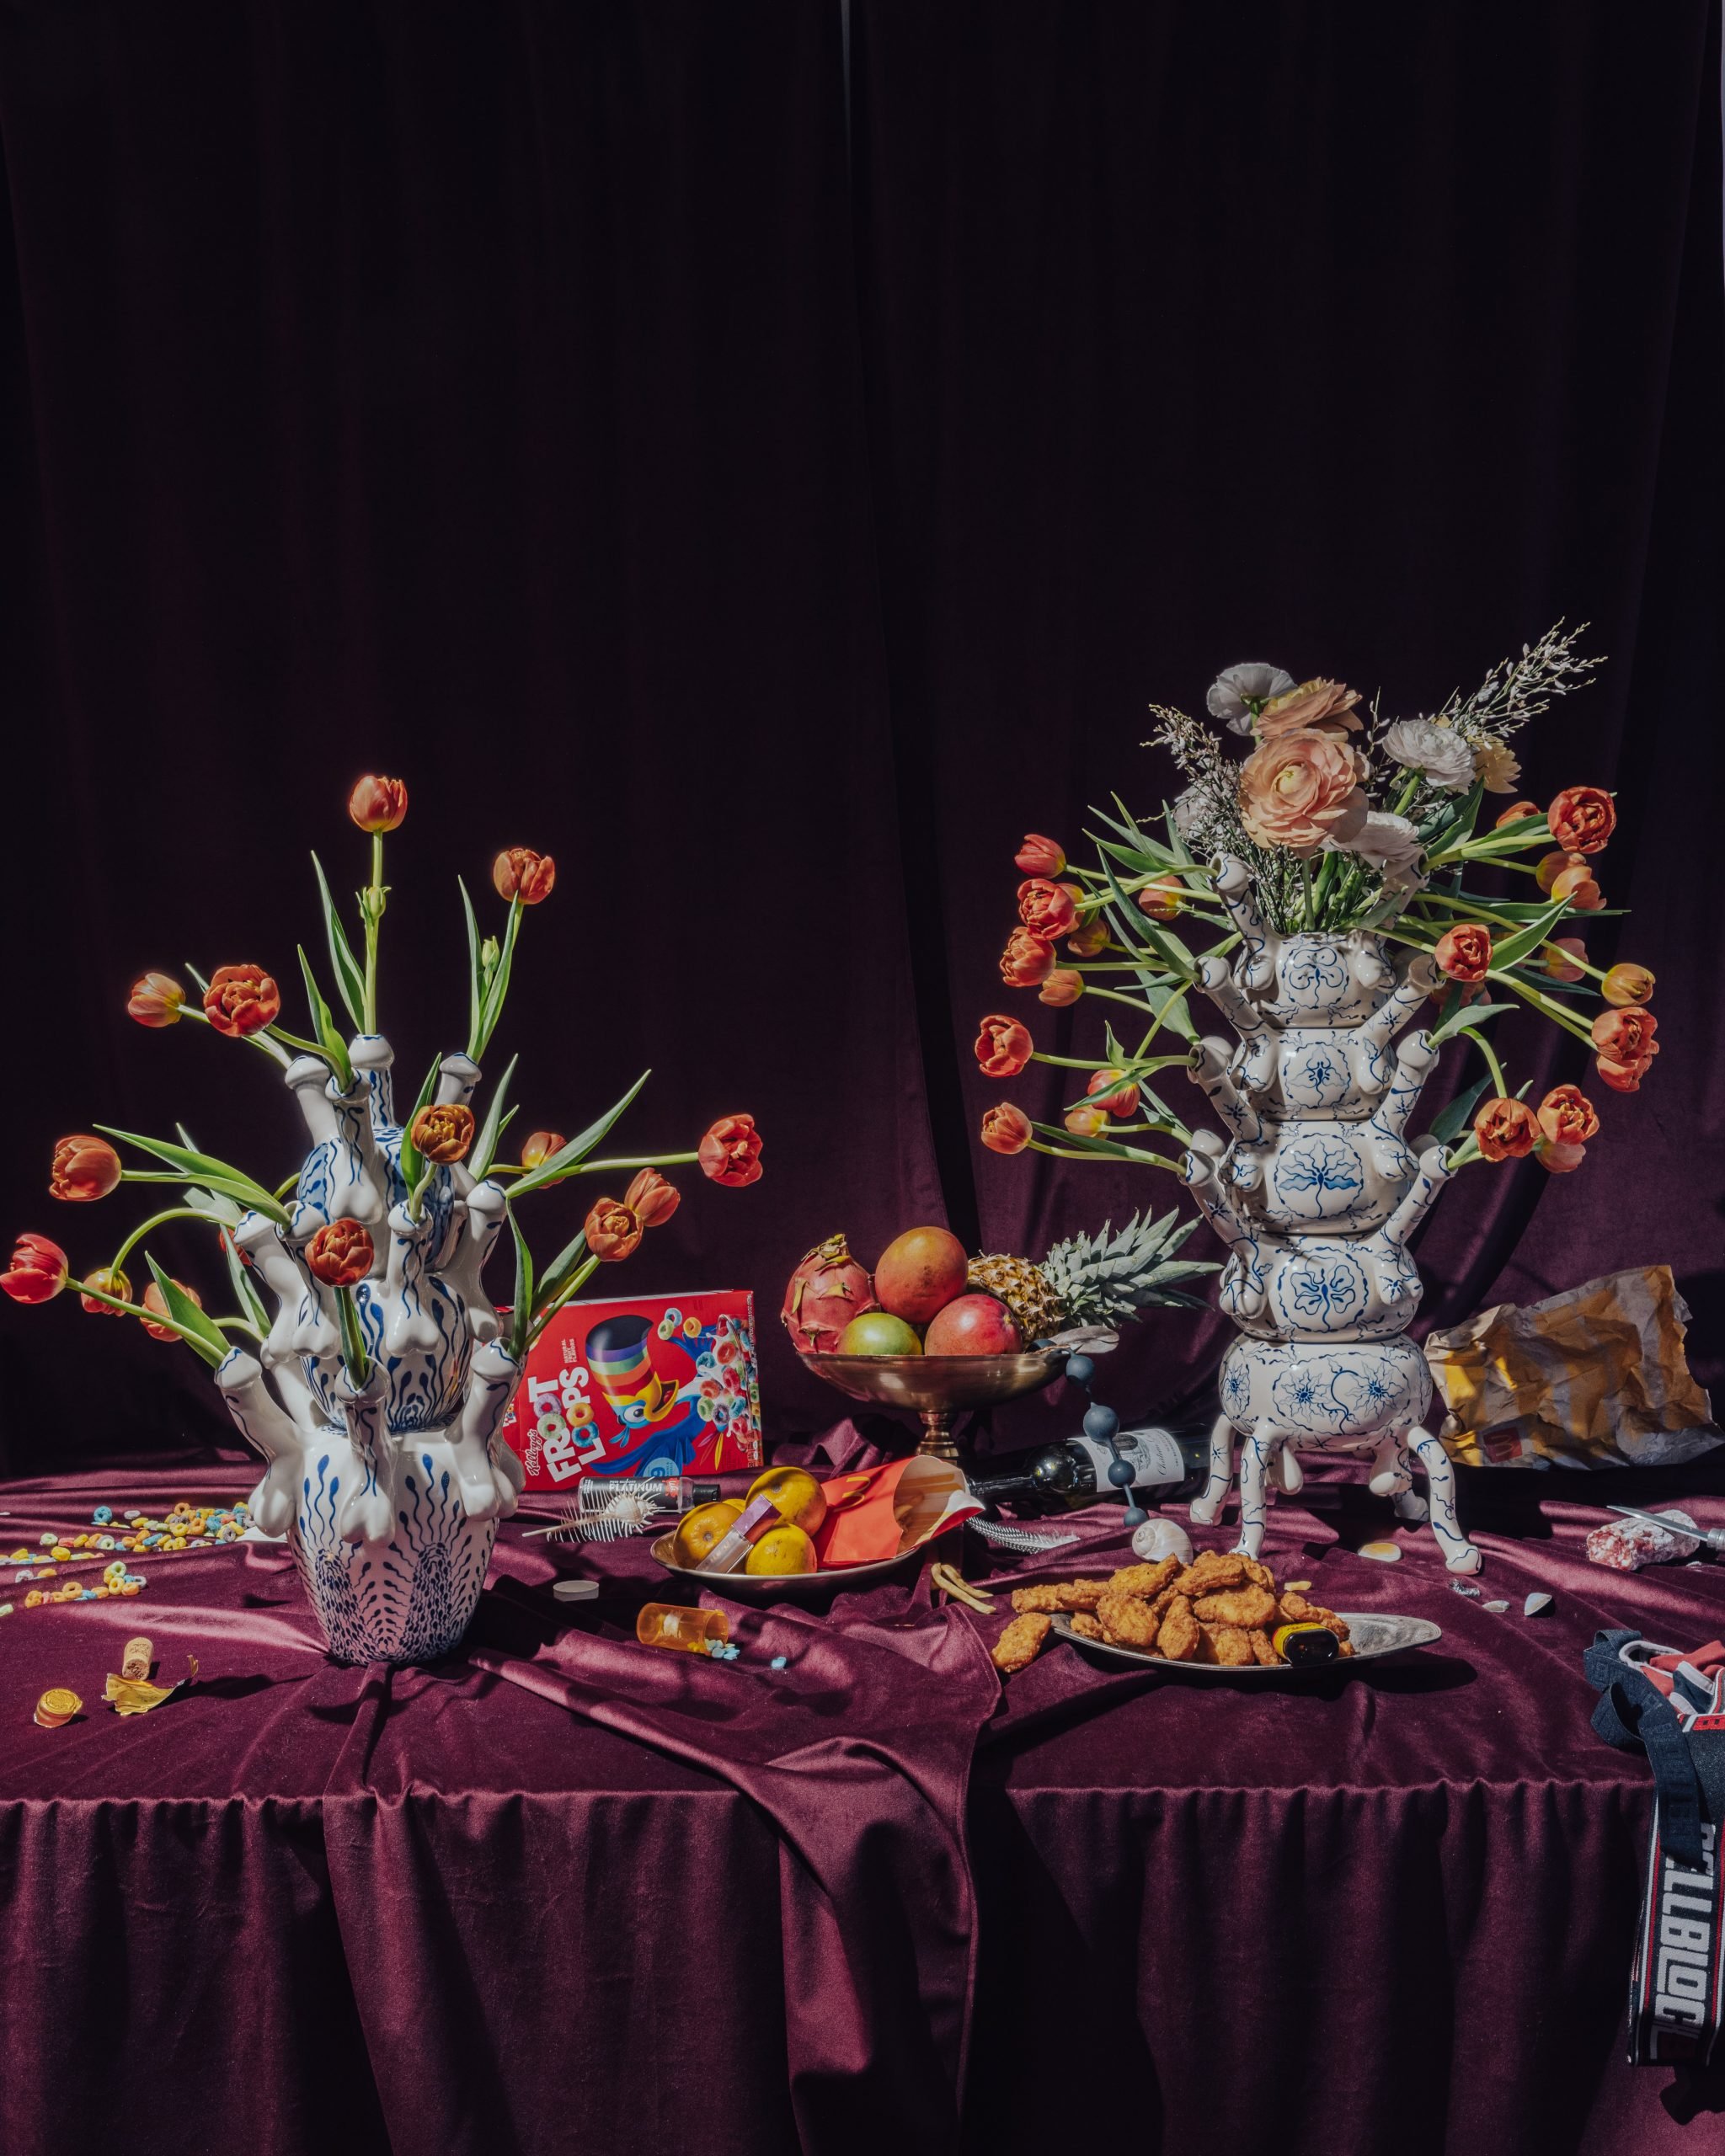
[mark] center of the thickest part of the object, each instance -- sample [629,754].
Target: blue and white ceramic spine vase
[391,1490]
[1316,1192]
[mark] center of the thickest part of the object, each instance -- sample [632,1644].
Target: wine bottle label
[1155,1455]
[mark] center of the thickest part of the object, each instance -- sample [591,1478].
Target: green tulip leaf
[350,975]
[578,1148]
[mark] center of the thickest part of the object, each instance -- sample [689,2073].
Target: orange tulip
[1039,857]
[241,1000]
[1626,984]
[1625,1077]
[1626,1035]
[84,1169]
[1582,818]
[1506,1130]
[155,999]
[613,1230]
[1003,1047]
[538,1148]
[1558,1159]
[1027,959]
[731,1153]
[1064,986]
[1567,1116]
[1163,898]
[652,1199]
[155,1300]
[107,1280]
[37,1273]
[1046,908]
[1464,952]
[520,873]
[377,804]
[340,1254]
[1577,887]
[1514,813]
[1557,956]
[1090,941]
[1086,1121]
[1114,1091]
[443,1132]
[1006,1129]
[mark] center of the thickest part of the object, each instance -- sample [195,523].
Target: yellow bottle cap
[57,1706]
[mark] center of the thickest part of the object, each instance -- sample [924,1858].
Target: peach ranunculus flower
[1625,984]
[1582,818]
[1327,706]
[1005,1129]
[1506,1130]
[1496,768]
[1064,986]
[1300,789]
[1567,1116]
[1464,952]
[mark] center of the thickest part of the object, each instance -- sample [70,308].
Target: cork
[134,1660]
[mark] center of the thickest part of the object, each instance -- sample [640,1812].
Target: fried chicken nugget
[1127,1620]
[1264,1652]
[1209,1572]
[1297,1611]
[1021,1643]
[1228,1645]
[1259,1575]
[1244,1606]
[1060,1595]
[1086,1626]
[1179,1638]
[1146,1580]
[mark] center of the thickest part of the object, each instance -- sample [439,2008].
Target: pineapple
[1092,1280]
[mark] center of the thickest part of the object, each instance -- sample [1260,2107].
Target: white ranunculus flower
[1228,692]
[1390,845]
[1187,810]
[1439,751]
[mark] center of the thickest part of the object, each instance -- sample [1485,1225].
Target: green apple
[876,1332]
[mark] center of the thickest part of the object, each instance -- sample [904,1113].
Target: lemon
[782,1549]
[698,1530]
[799,1498]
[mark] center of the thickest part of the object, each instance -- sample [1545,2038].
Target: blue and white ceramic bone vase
[1316,1190]
[391,1490]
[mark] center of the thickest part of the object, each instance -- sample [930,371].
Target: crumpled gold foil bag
[1594,1378]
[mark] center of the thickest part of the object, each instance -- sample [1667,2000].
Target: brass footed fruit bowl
[935,1387]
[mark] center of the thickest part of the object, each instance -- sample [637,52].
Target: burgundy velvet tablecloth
[560,1892]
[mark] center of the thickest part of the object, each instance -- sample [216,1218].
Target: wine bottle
[1075,1471]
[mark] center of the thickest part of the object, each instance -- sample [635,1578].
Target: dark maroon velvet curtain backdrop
[772,506]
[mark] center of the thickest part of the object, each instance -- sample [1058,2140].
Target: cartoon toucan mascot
[644,1378]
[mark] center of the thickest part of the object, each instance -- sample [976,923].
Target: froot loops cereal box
[654,1385]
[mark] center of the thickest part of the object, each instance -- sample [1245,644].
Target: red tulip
[1567,1116]
[1039,857]
[1161,898]
[155,999]
[613,1230]
[652,1199]
[1003,1046]
[443,1132]
[538,1148]
[1047,910]
[730,1152]
[1064,986]
[241,1000]
[1464,952]
[1027,959]
[522,874]
[84,1169]
[110,1280]
[1006,1129]
[1582,818]
[37,1273]
[377,804]
[155,1300]
[1514,813]
[340,1254]
[1090,940]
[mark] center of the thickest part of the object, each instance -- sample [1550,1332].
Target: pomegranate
[920,1271]
[972,1325]
[824,1293]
